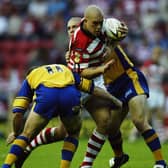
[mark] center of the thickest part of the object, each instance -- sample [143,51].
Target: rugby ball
[112,28]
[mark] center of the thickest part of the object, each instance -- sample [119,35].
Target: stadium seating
[15,54]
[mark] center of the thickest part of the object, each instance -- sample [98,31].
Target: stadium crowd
[34,37]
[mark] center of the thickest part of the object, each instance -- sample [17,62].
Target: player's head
[72,25]
[93,19]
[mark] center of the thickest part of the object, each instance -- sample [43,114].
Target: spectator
[3,25]
[56,7]
[14,25]
[38,8]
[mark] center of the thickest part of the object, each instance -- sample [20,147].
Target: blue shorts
[53,102]
[129,85]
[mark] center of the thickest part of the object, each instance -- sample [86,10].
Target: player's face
[94,25]
[71,27]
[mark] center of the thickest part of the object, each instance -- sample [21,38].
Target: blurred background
[33,32]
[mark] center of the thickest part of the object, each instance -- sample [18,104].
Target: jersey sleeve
[83,84]
[23,98]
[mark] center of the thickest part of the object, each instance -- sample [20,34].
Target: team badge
[77,57]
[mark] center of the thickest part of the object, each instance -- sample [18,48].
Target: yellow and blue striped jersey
[123,79]
[50,76]
[53,75]
[121,65]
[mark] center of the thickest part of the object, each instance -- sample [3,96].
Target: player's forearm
[17,123]
[91,73]
[104,94]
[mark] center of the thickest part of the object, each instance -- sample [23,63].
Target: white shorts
[98,81]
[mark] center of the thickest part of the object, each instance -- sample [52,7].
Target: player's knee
[140,123]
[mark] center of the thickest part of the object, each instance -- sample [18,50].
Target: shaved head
[93,11]
[93,20]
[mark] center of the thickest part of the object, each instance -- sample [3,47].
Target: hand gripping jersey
[86,50]
[49,77]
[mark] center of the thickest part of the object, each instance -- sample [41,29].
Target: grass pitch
[48,156]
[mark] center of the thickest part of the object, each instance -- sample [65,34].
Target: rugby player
[87,51]
[122,80]
[53,89]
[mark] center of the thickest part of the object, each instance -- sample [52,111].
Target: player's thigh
[137,107]
[117,116]
[93,103]
[100,111]
[34,124]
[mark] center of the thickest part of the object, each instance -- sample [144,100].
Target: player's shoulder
[80,36]
[80,40]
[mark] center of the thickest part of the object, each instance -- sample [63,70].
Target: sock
[116,144]
[6,166]
[95,144]
[16,149]
[46,136]
[69,148]
[153,142]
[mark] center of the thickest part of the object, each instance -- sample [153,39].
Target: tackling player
[129,85]
[47,135]
[53,89]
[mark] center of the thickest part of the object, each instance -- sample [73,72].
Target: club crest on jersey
[77,57]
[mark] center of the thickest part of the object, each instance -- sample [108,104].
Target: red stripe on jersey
[86,51]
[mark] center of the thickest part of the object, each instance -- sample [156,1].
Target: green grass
[48,156]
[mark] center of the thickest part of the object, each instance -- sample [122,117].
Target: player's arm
[93,72]
[106,95]
[87,85]
[20,105]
